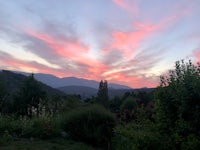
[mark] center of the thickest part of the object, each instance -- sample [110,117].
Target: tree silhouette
[29,96]
[102,96]
[178,101]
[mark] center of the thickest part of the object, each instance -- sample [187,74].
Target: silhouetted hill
[13,81]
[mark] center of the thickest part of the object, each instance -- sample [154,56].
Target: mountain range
[57,82]
[79,86]
[68,85]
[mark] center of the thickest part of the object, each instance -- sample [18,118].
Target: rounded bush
[129,104]
[92,124]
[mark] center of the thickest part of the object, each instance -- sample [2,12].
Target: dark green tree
[29,97]
[102,96]
[178,102]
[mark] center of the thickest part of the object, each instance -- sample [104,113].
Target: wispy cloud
[29,66]
[127,5]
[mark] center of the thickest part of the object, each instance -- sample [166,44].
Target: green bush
[192,142]
[136,137]
[92,124]
[11,125]
[128,104]
[41,128]
[35,127]
[178,102]
[6,138]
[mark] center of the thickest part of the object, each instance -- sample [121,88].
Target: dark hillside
[13,81]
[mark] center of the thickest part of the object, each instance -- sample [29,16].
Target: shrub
[128,104]
[92,124]
[191,142]
[178,102]
[178,97]
[41,128]
[6,138]
[128,109]
[11,125]
[137,137]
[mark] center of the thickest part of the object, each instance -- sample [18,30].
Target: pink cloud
[42,37]
[28,66]
[127,6]
[128,42]
[65,48]
[133,81]
[75,52]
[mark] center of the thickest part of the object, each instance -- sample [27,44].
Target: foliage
[35,127]
[29,97]
[134,136]
[92,124]
[43,128]
[128,109]
[178,103]
[11,125]
[6,138]
[129,104]
[114,104]
[144,97]
[192,142]
[70,102]
[53,105]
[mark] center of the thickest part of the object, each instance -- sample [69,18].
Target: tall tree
[102,96]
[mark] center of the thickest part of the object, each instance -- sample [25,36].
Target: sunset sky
[129,42]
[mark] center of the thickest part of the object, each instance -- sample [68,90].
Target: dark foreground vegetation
[167,118]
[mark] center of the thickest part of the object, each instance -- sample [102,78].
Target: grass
[36,144]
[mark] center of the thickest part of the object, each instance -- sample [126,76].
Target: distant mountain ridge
[77,86]
[56,82]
